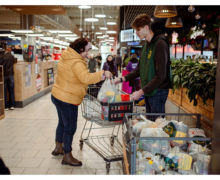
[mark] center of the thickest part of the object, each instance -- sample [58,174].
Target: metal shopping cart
[132,145]
[100,132]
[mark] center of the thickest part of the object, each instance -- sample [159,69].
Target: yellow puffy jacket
[72,78]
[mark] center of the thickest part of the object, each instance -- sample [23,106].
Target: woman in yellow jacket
[72,80]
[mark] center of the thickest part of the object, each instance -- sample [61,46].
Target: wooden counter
[30,83]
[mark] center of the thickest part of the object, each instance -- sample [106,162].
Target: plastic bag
[107,92]
[200,166]
[154,146]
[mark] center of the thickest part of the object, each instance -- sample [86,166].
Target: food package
[176,129]
[154,146]
[200,166]
[181,161]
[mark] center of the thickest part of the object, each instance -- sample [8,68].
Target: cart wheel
[81,144]
[107,167]
[112,140]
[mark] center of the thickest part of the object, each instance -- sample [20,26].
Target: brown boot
[68,159]
[58,149]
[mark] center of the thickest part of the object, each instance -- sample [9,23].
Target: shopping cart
[102,135]
[133,146]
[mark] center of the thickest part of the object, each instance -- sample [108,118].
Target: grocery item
[154,146]
[181,161]
[200,166]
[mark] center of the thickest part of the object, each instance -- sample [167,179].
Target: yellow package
[118,98]
[109,93]
[180,134]
[184,162]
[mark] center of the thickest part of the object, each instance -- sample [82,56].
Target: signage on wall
[50,76]
[38,82]
[133,43]
[28,75]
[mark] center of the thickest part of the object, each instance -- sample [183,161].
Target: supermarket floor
[27,140]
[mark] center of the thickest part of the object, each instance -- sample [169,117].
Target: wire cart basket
[136,146]
[99,134]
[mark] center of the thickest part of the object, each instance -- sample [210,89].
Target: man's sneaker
[11,108]
[6,109]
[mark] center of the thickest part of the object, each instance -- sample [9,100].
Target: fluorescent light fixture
[22,31]
[16,38]
[105,36]
[35,35]
[111,23]
[93,47]
[84,7]
[103,28]
[6,35]
[60,31]
[111,32]
[71,39]
[111,38]
[100,15]
[67,35]
[100,37]
[91,19]
[47,38]
[98,33]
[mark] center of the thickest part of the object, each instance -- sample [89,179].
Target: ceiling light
[18,9]
[103,28]
[111,32]
[165,11]
[98,33]
[91,19]
[105,36]
[100,15]
[111,38]
[16,38]
[174,22]
[100,37]
[6,35]
[197,16]
[35,35]
[111,23]
[67,35]
[60,31]
[47,38]
[191,9]
[22,31]
[84,7]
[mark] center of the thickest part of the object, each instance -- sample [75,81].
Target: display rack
[2,100]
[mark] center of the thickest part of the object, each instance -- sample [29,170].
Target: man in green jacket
[153,68]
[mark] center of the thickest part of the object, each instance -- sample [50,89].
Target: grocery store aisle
[27,140]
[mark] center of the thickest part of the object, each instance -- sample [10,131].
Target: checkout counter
[32,81]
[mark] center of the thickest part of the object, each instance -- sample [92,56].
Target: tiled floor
[27,139]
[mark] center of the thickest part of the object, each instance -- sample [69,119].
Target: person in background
[92,64]
[99,60]
[153,69]
[8,61]
[123,61]
[118,62]
[71,83]
[109,65]
[132,64]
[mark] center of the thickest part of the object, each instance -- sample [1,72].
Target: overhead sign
[127,35]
